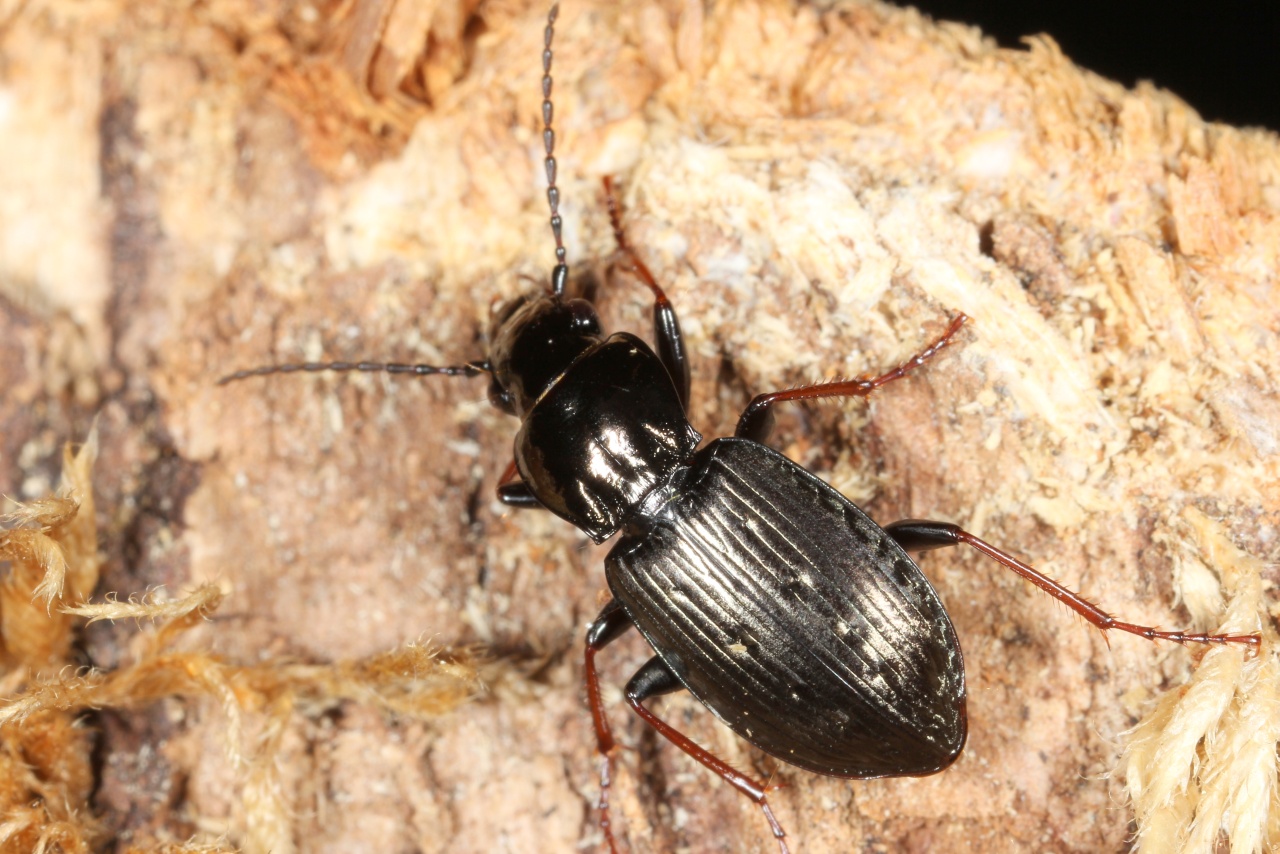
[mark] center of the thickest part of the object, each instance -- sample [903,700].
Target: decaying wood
[191,189]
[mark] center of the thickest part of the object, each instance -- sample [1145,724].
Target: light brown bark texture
[188,189]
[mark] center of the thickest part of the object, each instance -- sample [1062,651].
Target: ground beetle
[769,596]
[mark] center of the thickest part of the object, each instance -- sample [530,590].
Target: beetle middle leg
[921,535]
[756,421]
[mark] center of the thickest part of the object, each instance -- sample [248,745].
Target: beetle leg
[920,535]
[756,421]
[608,626]
[666,327]
[515,493]
[656,678]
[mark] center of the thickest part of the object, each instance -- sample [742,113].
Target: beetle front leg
[655,679]
[921,535]
[515,493]
[608,626]
[666,326]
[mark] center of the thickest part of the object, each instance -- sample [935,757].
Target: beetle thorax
[607,433]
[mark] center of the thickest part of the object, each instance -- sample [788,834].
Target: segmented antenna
[470,369]
[561,272]
[559,275]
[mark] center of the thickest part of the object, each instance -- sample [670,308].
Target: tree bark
[819,188]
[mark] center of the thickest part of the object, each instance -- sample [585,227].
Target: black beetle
[796,619]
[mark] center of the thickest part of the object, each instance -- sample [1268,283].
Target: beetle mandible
[797,620]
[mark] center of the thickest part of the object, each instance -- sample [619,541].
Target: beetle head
[532,341]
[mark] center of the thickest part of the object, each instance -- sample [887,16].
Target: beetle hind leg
[920,535]
[655,679]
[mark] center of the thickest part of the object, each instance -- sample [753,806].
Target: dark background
[1221,57]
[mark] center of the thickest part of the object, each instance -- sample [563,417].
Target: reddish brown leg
[919,535]
[666,327]
[756,421]
[611,623]
[656,678]
[638,267]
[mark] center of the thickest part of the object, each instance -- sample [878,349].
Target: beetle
[783,608]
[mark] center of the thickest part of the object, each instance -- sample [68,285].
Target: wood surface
[189,189]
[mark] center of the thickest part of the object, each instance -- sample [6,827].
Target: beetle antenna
[561,272]
[470,369]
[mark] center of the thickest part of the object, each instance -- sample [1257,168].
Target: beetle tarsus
[611,623]
[602,804]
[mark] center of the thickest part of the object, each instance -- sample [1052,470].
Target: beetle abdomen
[763,589]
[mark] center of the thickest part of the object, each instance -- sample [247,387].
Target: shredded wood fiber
[52,550]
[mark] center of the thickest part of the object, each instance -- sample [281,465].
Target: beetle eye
[585,319]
